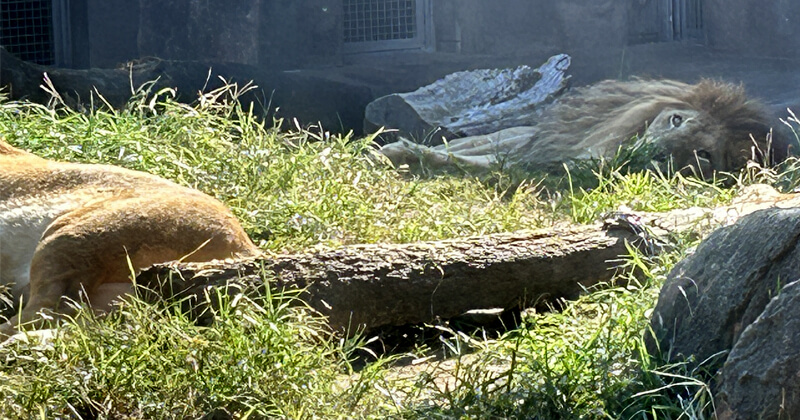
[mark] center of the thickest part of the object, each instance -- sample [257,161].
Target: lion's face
[689,141]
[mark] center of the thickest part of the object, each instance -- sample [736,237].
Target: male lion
[705,127]
[67,229]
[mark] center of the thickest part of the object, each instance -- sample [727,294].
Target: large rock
[470,103]
[710,297]
[760,377]
[735,305]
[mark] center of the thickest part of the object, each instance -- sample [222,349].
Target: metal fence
[379,20]
[371,25]
[26,29]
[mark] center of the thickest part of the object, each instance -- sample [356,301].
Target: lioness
[68,229]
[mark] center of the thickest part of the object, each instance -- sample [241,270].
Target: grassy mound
[267,358]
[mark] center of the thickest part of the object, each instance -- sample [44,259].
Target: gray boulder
[734,307]
[712,295]
[760,377]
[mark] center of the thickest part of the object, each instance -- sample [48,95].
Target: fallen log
[368,286]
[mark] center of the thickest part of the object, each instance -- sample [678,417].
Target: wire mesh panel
[26,29]
[382,24]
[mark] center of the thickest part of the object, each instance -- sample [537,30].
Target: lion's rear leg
[67,268]
[50,298]
[94,249]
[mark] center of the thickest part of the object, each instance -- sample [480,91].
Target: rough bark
[375,285]
[469,103]
[367,286]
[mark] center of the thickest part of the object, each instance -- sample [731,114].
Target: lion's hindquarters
[93,248]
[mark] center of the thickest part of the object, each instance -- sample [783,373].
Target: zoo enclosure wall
[285,34]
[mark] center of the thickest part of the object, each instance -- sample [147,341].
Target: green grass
[262,358]
[585,361]
[265,357]
[295,189]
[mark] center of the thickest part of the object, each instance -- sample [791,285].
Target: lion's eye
[676,120]
[702,154]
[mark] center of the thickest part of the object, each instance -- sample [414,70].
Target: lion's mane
[600,117]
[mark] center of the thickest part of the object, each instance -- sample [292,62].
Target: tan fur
[66,228]
[717,120]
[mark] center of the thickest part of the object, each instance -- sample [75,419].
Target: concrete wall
[207,30]
[509,27]
[113,26]
[758,27]
[298,33]
[288,34]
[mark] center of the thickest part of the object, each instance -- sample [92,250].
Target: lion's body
[68,229]
[715,119]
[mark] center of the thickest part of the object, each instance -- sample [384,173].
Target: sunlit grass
[264,357]
[586,361]
[645,191]
[292,190]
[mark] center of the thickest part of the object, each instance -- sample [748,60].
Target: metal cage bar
[379,20]
[375,25]
[26,29]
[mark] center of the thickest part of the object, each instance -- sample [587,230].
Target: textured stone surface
[760,377]
[712,295]
[312,99]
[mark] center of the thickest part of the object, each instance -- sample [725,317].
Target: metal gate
[379,25]
[26,29]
